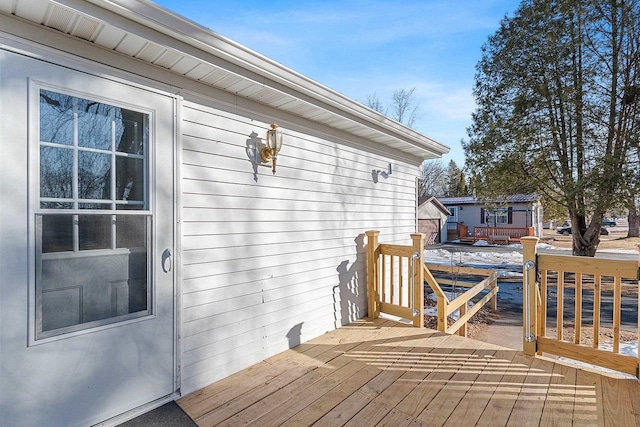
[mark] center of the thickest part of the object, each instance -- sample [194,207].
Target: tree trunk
[634,221]
[585,239]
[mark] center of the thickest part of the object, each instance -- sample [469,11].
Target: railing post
[418,281]
[463,329]
[529,297]
[494,300]
[373,274]
[638,361]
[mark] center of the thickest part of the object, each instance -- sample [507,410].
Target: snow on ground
[507,263]
[433,311]
[629,348]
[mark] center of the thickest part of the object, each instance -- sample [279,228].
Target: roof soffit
[155,35]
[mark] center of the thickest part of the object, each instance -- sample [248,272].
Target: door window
[92,219]
[454,214]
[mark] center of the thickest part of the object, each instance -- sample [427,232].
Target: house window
[498,216]
[92,219]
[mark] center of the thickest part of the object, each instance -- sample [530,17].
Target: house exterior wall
[270,261]
[469,215]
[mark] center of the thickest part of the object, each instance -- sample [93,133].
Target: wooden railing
[395,278]
[513,233]
[575,272]
[447,307]
[456,230]
[395,284]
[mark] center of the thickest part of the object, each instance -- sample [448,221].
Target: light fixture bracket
[265,154]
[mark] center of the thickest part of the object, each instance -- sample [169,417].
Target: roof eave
[175,26]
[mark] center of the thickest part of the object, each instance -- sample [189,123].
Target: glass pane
[76,293]
[131,231]
[94,175]
[57,233]
[56,173]
[94,231]
[56,117]
[129,179]
[56,205]
[135,133]
[96,122]
[94,205]
[132,206]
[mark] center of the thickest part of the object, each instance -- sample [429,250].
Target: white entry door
[88,326]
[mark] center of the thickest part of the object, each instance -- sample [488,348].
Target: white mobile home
[146,249]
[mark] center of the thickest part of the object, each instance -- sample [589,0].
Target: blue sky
[362,47]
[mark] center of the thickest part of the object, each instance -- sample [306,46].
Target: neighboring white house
[516,211]
[146,251]
[432,219]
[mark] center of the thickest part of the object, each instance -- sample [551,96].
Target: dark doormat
[167,415]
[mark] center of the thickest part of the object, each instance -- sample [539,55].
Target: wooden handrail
[512,232]
[446,307]
[468,295]
[624,269]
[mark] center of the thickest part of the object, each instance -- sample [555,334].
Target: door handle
[166,260]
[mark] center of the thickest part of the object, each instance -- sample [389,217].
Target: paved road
[510,300]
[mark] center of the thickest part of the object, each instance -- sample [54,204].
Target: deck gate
[395,281]
[581,274]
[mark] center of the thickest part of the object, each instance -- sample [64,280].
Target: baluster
[400,282]
[578,309]
[560,306]
[596,311]
[617,303]
[543,308]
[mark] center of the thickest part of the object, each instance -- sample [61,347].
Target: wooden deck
[384,373]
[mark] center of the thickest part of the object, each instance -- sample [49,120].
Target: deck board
[384,373]
[454,390]
[474,403]
[561,396]
[529,405]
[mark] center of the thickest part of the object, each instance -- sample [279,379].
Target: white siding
[271,261]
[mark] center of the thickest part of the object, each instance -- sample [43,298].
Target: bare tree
[433,178]
[404,108]
[374,103]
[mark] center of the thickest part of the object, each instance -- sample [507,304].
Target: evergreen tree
[558,95]
[454,173]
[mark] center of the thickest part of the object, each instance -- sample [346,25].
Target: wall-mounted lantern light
[274,143]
